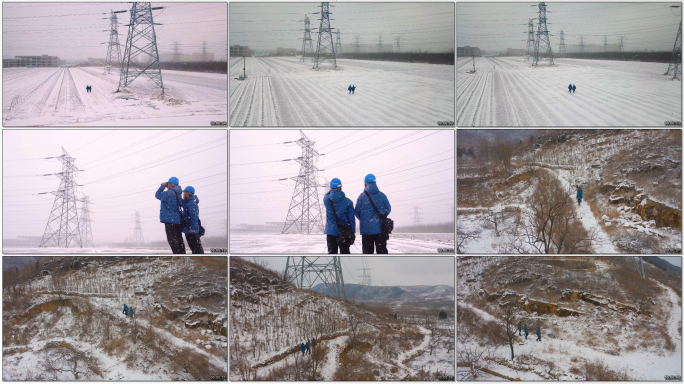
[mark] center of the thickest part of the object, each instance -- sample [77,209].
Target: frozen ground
[510,92]
[57,96]
[282,91]
[295,243]
[103,250]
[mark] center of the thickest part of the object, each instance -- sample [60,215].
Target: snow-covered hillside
[269,320]
[63,320]
[57,96]
[598,319]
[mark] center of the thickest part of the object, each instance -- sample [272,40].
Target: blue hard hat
[189,189]
[174,180]
[370,178]
[335,183]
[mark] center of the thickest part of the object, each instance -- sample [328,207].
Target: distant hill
[11,262]
[662,264]
[393,293]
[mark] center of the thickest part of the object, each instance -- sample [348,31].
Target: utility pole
[304,214]
[416,215]
[325,49]
[141,40]
[176,52]
[204,51]
[542,45]
[530,39]
[138,232]
[676,60]
[87,231]
[305,272]
[63,227]
[307,44]
[114,48]
[581,44]
[561,48]
[605,43]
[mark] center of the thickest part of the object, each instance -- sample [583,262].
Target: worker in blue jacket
[171,214]
[369,221]
[191,220]
[344,208]
[538,334]
[579,195]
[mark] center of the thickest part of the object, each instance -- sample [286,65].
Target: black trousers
[174,235]
[194,242]
[379,242]
[332,245]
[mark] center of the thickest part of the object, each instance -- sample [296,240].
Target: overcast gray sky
[497,26]
[422,26]
[674,260]
[388,271]
[103,155]
[76,31]
[411,167]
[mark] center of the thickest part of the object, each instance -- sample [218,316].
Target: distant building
[31,61]
[468,51]
[514,52]
[240,50]
[286,51]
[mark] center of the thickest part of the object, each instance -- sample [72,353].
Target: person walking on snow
[526,333]
[308,347]
[349,89]
[131,313]
[538,334]
[303,348]
[125,310]
[579,195]
[313,343]
[519,328]
[573,88]
[570,88]
[353,89]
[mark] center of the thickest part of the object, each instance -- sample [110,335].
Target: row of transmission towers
[365,273]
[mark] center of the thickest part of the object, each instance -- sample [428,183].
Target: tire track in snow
[251,101]
[47,90]
[532,97]
[236,117]
[276,114]
[290,115]
[507,100]
[525,115]
[344,116]
[465,107]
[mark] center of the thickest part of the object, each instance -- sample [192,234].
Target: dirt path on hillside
[406,356]
[292,350]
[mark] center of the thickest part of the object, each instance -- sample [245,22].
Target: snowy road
[294,243]
[509,92]
[282,91]
[57,96]
[408,354]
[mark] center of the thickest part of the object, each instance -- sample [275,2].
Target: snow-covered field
[296,243]
[282,91]
[510,92]
[104,250]
[57,96]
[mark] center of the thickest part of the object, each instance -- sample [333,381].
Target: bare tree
[505,331]
[353,327]
[474,358]
[464,236]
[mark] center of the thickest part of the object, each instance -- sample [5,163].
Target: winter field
[98,250]
[508,91]
[296,243]
[57,96]
[283,91]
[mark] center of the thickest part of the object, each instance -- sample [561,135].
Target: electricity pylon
[380,44]
[63,225]
[338,43]
[530,39]
[398,43]
[581,44]
[639,264]
[204,51]
[304,215]
[325,49]
[357,46]
[542,45]
[622,47]
[114,48]
[176,52]
[141,40]
[137,231]
[676,60]
[306,271]
[366,275]
[307,44]
[561,47]
[86,229]
[416,215]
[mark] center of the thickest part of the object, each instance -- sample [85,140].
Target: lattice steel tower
[307,44]
[357,47]
[561,47]
[176,52]
[306,271]
[676,60]
[366,275]
[304,215]
[380,44]
[530,39]
[137,231]
[63,226]
[141,40]
[86,229]
[338,43]
[581,44]
[416,215]
[204,51]
[398,43]
[325,49]
[622,47]
[605,43]
[114,48]
[542,45]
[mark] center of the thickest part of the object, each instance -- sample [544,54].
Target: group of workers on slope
[571,88]
[352,88]
[128,311]
[306,348]
[372,237]
[180,214]
[524,328]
